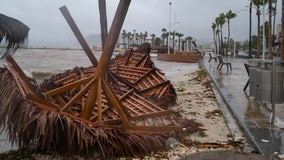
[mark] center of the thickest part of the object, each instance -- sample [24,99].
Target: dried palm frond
[31,127]
[13,32]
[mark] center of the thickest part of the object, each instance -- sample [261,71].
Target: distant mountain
[94,40]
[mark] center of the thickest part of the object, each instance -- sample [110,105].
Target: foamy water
[42,63]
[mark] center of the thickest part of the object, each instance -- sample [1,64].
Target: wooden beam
[103,20]
[78,35]
[67,87]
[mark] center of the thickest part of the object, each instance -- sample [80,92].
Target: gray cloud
[195,17]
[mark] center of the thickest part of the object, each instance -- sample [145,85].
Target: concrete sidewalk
[253,117]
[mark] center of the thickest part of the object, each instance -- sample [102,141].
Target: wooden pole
[112,37]
[78,35]
[282,32]
[103,20]
[102,68]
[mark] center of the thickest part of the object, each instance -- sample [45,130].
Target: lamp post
[263,31]
[170,4]
[237,12]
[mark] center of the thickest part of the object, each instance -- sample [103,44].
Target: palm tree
[270,34]
[124,35]
[183,41]
[153,38]
[188,40]
[137,36]
[164,36]
[257,4]
[179,35]
[128,39]
[222,21]
[14,32]
[218,22]
[173,34]
[145,35]
[214,35]
[140,35]
[229,15]
[250,9]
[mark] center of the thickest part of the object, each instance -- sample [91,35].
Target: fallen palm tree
[113,108]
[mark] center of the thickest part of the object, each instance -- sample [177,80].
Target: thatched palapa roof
[13,32]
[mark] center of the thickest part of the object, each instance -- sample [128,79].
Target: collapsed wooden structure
[117,107]
[132,101]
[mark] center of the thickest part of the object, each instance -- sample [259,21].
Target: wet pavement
[253,117]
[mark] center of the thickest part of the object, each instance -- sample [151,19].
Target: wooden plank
[67,87]
[124,114]
[153,129]
[78,35]
[78,95]
[152,115]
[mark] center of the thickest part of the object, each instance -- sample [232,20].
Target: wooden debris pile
[50,114]
[116,107]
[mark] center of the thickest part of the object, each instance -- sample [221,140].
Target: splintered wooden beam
[102,67]
[26,82]
[103,20]
[112,37]
[78,35]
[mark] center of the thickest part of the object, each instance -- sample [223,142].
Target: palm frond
[33,128]
[13,32]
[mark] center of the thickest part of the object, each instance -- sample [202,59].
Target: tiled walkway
[252,117]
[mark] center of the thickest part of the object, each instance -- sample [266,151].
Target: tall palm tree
[140,35]
[124,35]
[137,37]
[250,10]
[258,4]
[229,15]
[173,34]
[153,38]
[271,11]
[179,35]
[214,35]
[164,36]
[145,35]
[183,41]
[128,39]
[222,21]
[188,41]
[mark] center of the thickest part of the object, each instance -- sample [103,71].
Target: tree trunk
[221,45]
[228,40]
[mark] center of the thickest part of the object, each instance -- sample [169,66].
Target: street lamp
[170,4]
[263,31]
[237,12]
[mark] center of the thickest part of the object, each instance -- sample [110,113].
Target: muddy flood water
[43,63]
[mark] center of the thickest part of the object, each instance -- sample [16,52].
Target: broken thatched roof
[13,32]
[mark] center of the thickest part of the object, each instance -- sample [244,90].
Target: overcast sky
[191,17]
